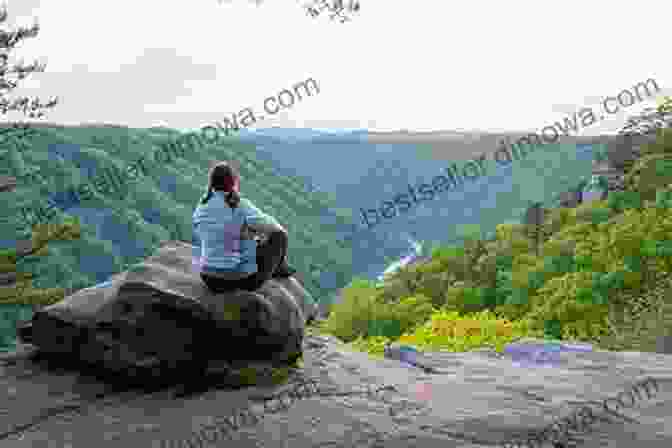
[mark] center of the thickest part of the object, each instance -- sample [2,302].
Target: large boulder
[159,314]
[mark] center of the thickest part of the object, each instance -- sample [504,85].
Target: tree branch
[53,237]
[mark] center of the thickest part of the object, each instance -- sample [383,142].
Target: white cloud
[420,65]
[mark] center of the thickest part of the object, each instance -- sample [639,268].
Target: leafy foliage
[456,332]
[350,318]
[124,228]
[23,292]
[557,301]
[619,201]
[598,261]
[662,144]
[362,313]
[649,174]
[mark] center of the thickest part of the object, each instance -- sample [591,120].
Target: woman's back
[217,232]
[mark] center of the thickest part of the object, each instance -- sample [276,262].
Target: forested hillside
[126,225]
[595,269]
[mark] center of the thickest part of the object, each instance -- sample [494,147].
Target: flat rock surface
[475,399]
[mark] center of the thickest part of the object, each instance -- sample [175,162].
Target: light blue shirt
[216,236]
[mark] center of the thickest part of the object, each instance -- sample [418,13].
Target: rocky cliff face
[341,398]
[7,184]
[622,150]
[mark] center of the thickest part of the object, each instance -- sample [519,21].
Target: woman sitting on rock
[225,251]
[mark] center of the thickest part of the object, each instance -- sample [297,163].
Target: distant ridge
[463,145]
[444,135]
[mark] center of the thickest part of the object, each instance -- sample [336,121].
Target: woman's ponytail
[233,199]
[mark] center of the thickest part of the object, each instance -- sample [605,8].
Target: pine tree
[9,40]
[16,285]
[650,119]
[639,130]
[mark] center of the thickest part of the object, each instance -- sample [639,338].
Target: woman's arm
[267,228]
[258,220]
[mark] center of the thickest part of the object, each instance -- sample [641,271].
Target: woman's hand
[247,233]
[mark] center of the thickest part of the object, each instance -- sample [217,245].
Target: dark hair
[223,177]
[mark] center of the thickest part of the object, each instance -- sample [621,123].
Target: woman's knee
[278,238]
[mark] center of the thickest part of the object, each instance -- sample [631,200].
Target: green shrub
[374,346]
[465,299]
[594,213]
[8,256]
[649,174]
[520,296]
[350,318]
[444,252]
[413,311]
[455,332]
[597,293]
[557,219]
[559,264]
[393,320]
[432,267]
[664,198]
[503,288]
[389,328]
[622,200]
[434,286]
[557,301]
[583,263]
[662,145]
[504,262]
[553,329]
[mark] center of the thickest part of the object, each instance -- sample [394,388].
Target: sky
[419,65]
